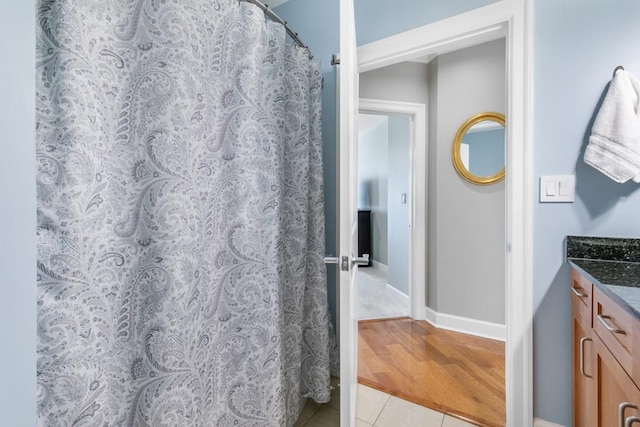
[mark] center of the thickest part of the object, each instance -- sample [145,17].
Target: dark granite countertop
[613,265]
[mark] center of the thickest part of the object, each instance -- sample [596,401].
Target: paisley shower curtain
[180,217]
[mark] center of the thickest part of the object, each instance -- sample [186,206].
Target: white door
[348,137]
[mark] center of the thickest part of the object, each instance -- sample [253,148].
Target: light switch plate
[557,188]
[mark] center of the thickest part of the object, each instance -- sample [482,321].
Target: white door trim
[418,197]
[511,19]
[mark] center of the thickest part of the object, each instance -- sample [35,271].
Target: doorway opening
[465,272]
[384,220]
[392,188]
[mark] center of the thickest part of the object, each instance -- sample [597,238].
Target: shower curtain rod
[271,14]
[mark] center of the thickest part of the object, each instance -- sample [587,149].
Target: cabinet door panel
[583,374]
[613,388]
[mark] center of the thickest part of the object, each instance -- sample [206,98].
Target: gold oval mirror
[478,149]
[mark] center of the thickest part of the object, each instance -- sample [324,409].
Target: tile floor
[376,300]
[376,409]
[322,415]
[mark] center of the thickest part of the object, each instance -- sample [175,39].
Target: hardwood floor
[458,374]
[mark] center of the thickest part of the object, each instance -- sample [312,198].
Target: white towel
[614,144]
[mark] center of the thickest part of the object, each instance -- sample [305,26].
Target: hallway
[376,299]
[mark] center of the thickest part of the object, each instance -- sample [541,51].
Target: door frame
[418,162]
[347,101]
[511,19]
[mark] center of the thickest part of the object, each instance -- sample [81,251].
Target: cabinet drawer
[581,297]
[616,329]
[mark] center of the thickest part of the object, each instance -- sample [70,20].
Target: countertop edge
[606,289]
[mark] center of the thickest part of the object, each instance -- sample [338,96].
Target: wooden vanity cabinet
[604,393]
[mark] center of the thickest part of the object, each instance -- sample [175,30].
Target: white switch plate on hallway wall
[557,188]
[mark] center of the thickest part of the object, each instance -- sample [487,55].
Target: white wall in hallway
[468,219]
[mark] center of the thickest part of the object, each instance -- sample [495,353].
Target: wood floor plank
[458,374]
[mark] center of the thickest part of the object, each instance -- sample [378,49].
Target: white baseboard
[537,422]
[465,325]
[379,266]
[398,293]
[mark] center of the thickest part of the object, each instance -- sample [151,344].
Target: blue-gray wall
[398,212]
[577,45]
[377,19]
[318,24]
[383,176]
[17,215]
[373,174]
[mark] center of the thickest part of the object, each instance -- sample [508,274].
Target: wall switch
[403,198]
[557,188]
[550,188]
